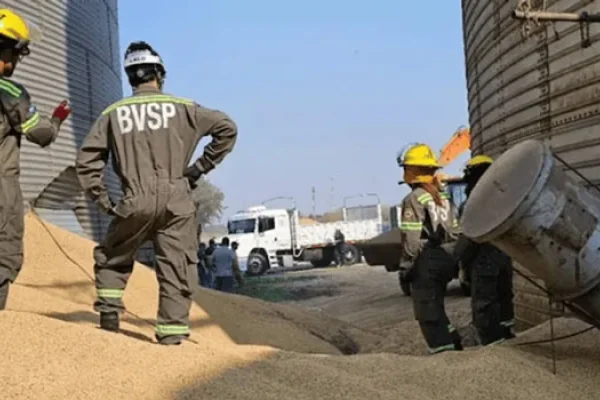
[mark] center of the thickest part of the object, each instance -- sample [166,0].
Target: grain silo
[78,59]
[544,85]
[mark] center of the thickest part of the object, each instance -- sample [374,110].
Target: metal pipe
[555,16]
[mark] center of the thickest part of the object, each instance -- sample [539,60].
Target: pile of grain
[57,282]
[52,349]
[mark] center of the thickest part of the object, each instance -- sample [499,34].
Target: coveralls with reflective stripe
[427,230]
[19,117]
[151,137]
[491,274]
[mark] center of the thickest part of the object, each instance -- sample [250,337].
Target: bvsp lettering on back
[145,116]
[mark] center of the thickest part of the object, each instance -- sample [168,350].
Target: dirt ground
[367,297]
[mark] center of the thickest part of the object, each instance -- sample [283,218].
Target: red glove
[63,111]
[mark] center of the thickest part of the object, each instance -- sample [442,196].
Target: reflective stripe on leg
[442,348]
[110,293]
[170,330]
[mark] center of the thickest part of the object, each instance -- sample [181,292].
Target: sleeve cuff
[202,166]
[104,202]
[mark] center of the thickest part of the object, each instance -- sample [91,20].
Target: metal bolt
[499,186]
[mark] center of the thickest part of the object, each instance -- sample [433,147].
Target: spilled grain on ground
[247,349]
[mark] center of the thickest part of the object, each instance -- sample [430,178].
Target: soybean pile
[243,348]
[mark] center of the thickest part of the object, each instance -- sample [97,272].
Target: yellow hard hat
[16,28]
[479,160]
[418,155]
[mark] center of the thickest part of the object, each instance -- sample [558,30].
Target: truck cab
[260,233]
[456,188]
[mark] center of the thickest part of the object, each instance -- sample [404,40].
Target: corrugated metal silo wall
[78,59]
[541,87]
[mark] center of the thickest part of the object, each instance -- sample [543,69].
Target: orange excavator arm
[458,144]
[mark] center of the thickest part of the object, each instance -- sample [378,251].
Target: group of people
[151,137]
[218,266]
[434,246]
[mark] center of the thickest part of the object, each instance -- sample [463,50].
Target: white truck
[270,238]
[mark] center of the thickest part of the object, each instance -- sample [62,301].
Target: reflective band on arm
[30,123]
[168,330]
[110,293]
[10,88]
[411,226]
[424,198]
[508,323]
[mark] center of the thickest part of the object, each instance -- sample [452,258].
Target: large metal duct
[544,220]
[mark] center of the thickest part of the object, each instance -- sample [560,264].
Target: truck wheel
[404,285]
[257,264]
[351,255]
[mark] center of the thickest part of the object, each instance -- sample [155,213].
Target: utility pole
[314,203]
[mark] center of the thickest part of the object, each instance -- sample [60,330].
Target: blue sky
[322,91]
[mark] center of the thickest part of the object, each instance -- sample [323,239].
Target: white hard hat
[141,53]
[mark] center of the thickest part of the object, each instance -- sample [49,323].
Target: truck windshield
[241,226]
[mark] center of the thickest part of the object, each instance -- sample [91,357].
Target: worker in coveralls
[20,118]
[339,241]
[429,226]
[491,274]
[151,137]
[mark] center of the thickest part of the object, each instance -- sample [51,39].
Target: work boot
[457,340]
[109,321]
[458,345]
[174,340]
[4,288]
